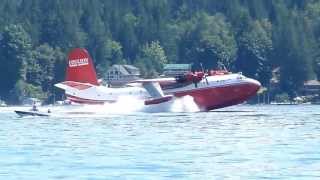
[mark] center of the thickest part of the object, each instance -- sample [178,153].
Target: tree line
[254,37]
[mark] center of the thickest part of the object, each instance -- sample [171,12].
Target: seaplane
[212,90]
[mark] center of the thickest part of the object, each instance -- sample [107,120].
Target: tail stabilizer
[80,67]
[73,86]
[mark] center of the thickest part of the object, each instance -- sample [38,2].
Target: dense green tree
[128,37]
[255,48]
[312,15]
[111,53]
[293,53]
[16,52]
[24,90]
[217,43]
[152,58]
[9,12]
[252,36]
[208,40]
[43,67]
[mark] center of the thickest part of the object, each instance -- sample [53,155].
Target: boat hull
[220,97]
[30,113]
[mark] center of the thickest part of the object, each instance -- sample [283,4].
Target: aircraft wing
[155,91]
[161,81]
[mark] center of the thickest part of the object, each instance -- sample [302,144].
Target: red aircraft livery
[216,89]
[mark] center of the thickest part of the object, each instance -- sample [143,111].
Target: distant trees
[110,53]
[15,55]
[293,50]
[217,44]
[152,59]
[25,71]
[255,50]
[312,17]
[207,39]
[250,36]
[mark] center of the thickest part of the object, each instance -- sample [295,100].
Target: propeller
[205,75]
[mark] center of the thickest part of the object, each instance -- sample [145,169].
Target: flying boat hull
[209,91]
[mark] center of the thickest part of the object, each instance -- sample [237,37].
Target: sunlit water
[241,142]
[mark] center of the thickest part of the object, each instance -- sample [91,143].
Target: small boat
[31,113]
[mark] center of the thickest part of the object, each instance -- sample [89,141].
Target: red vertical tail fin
[80,67]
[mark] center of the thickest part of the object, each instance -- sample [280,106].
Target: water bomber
[212,90]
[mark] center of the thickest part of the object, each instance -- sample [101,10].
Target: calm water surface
[242,142]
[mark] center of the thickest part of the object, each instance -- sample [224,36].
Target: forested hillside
[251,36]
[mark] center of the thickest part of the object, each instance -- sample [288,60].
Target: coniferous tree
[252,36]
[16,50]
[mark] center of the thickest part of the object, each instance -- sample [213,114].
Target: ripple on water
[241,142]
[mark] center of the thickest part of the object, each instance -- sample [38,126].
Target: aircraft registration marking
[78,62]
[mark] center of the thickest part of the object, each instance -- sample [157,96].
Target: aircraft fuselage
[210,93]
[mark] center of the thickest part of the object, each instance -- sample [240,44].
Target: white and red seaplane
[213,90]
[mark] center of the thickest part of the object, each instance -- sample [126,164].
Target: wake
[131,105]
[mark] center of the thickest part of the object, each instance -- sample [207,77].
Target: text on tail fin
[80,67]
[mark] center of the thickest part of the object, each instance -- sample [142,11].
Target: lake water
[241,142]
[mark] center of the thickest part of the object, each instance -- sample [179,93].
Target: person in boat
[34,107]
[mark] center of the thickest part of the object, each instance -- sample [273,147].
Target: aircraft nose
[255,85]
